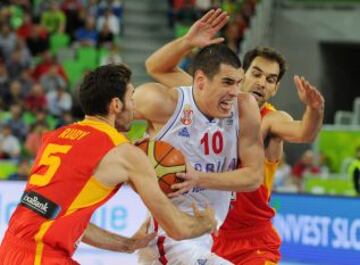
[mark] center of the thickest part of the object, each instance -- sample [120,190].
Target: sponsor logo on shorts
[40,205]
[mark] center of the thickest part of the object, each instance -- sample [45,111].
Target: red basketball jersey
[251,208]
[62,193]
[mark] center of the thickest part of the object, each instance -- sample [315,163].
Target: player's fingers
[213,17]
[206,17]
[178,186]
[182,175]
[174,194]
[149,237]
[221,24]
[144,242]
[297,81]
[219,19]
[217,40]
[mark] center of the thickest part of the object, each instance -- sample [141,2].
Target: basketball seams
[158,152]
[163,157]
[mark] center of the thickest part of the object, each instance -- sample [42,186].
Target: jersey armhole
[173,117]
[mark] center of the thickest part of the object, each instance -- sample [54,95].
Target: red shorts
[255,246]
[15,251]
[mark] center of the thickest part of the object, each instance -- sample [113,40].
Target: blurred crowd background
[46,47]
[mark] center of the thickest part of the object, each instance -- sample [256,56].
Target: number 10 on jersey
[216,141]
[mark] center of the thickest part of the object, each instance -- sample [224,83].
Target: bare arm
[100,238]
[162,64]
[282,124]
[177,224]
[251,153]
[154,102]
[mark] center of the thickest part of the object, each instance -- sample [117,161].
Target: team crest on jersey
[202,261]
[184,132]
[187,115]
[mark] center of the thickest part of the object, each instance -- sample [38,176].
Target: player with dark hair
[247,235]
[214,125]
[81,166]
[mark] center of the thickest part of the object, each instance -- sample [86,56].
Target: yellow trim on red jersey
[39,241]
[92,193]
[115,136]
[269,106]
[270,170]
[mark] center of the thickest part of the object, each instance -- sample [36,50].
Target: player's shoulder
[125,156]
[246,99]
[124,151]
[247,105]
[155,97]
[116,164]
[155,91]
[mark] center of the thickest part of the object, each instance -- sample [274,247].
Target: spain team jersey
[62,193]
[250,209]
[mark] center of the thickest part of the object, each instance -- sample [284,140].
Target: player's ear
[199,79]
[116,105]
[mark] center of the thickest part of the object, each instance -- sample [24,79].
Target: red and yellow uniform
[60,196]
[247,236]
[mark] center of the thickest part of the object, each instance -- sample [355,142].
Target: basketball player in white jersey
[214,125]
[248,229]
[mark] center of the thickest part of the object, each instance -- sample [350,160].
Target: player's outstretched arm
[251,153]
[100,238]
[299,131]
[162,64]
[177,224]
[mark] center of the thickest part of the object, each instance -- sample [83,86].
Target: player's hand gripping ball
[166,160]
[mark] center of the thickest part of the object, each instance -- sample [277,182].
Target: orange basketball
[167,161]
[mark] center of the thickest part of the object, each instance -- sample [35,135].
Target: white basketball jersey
[209,145]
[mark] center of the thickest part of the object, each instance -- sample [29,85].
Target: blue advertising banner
[321,230]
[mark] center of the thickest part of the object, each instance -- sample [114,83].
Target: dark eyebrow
[268,76]
[258,68]
[228,79]
[272,75]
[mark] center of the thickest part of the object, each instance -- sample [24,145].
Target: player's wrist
[188,43]
[319,108]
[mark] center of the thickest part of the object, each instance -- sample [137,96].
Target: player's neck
[105,119]
[201,104]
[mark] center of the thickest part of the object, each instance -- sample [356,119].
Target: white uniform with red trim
[210,146]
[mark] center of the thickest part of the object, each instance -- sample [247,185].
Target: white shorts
[164,250]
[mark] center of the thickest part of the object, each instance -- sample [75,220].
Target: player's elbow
[150,67]
[255,180]
[309,138]
[304,138]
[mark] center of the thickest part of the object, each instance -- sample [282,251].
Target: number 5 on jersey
[217,143]
[49,158]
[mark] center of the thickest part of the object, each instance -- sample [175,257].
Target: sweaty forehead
[269,67]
